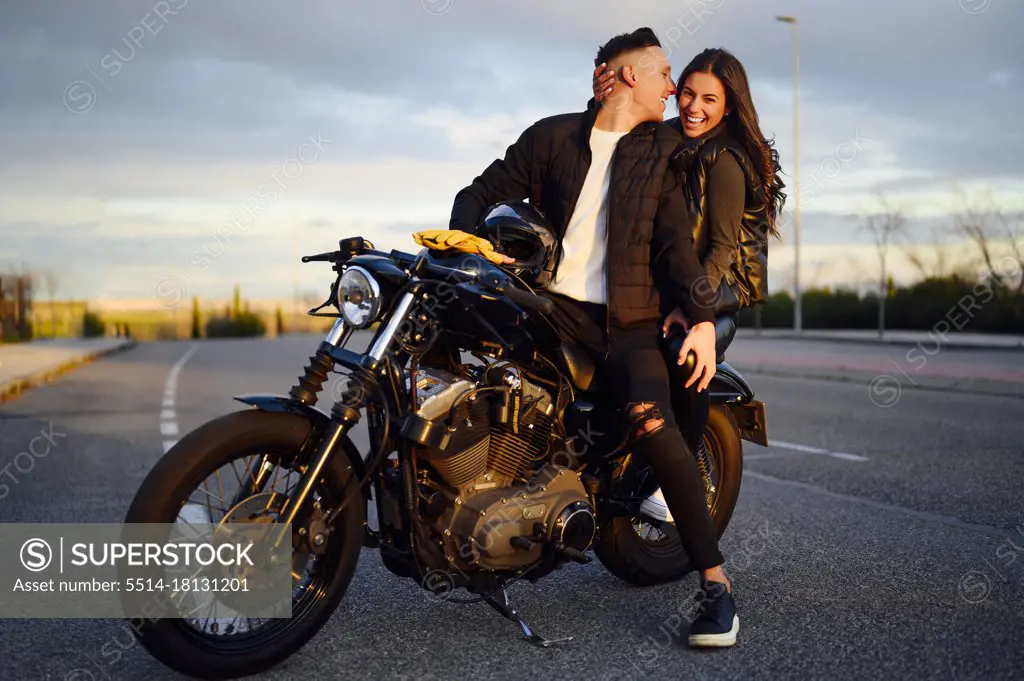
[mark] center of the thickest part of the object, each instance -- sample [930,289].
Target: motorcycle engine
[495,502]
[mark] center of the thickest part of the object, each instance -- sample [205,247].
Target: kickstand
[504,606]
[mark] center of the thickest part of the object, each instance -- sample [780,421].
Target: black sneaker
[716,624]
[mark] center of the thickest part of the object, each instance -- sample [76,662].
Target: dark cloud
[259,66]
[181,84]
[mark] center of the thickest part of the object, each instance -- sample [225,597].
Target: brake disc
[265,508]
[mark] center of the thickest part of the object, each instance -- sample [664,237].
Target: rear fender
[730,389]
[729,386]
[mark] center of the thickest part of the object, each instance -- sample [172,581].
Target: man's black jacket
[649,233]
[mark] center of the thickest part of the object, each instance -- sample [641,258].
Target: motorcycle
[494,457]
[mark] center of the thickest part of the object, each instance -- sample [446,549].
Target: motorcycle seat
[725,331]
[585,376]
[581,367]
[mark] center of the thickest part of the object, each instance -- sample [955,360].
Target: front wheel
[643,551]
[199,480]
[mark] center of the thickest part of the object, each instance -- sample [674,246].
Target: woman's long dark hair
[742,123]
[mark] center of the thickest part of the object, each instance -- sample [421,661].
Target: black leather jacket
[746,282]
[651,260]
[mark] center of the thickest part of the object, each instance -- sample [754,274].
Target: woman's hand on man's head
[604,79]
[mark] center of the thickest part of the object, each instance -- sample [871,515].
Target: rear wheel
[197,481]
[644,551]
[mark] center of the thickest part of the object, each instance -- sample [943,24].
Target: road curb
[12,389]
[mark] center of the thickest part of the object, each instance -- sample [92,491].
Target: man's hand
[701,340]
[675,317]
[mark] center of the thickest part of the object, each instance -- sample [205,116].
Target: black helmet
[519,230]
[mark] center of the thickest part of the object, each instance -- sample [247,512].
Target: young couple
[652,218]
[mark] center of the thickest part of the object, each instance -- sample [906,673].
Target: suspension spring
[352,399]
[704,465]
[312,380]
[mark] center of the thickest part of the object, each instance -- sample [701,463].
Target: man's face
[654,85]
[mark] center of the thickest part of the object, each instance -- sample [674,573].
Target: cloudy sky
[182,147]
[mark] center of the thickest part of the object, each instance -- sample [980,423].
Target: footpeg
[575,555]
[504,606]
[522,543]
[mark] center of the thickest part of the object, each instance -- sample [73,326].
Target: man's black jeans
[634,365]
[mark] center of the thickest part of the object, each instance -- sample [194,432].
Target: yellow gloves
[444,239]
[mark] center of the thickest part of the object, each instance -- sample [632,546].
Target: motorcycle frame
[329,430]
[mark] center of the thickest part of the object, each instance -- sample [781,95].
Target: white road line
[848,457]
[807,449]
[865,501]
[763,457]
[168,417]
[799,448]
[194,514]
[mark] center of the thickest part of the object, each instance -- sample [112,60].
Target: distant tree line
[951,303]
[949,296]
[236,322]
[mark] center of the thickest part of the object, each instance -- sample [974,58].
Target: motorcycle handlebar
[330,256]
[530,301]
[498,284]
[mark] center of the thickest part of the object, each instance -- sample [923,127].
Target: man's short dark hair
[626,42]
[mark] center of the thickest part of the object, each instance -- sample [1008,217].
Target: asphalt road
[876,538]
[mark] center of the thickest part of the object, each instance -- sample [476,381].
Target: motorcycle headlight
[359,298]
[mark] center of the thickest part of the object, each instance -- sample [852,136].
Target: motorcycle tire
[634,559]
[181,471]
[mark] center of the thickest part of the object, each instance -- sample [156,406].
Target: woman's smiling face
[701,103]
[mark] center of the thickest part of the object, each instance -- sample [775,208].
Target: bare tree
[979,221]
[884,225]
[936,266]
[1013,265]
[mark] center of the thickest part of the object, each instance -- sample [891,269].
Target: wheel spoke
[237,476]
[277,473]
[263,505]
[220,488]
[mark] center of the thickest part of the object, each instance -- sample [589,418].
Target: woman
[732,183]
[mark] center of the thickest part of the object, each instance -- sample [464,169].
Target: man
[604,180]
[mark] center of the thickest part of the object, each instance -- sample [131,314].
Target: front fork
[344,417]
[345,414]
[342,420]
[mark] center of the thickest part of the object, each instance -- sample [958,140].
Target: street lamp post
[797,302]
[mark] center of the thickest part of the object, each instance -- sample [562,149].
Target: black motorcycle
[494,457]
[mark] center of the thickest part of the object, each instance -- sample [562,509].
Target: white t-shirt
[580,273]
